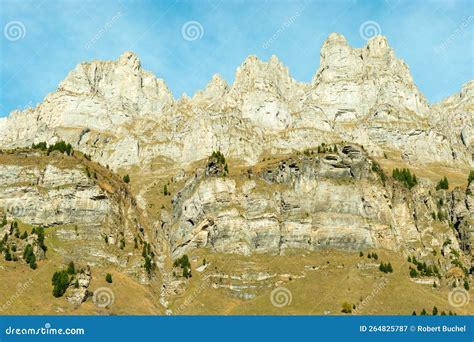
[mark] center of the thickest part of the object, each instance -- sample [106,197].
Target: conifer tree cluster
[386,268]
[443,184]
[185,265]
[405,176]
[218,158]
[29,256]
[60,146]
[62,279]
[39,231]
[60,282]
[148,255]
[422,269]
[372,255]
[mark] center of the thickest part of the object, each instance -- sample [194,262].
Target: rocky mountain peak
[122,78]
[130,59]
[264,92]
[257,74]
[336,37]
[378,46]
[217,81]
[340,60]
[123,115]
[464,100]
[373,72]
[121,84]
[215,89]
[467,90]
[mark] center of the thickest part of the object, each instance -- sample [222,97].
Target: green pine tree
[108,278]
[71,269]
[470,178]
[60,282]
[8,256]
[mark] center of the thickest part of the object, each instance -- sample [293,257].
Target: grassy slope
[324,289]
[37,299]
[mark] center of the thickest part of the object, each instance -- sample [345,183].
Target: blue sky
[43,40]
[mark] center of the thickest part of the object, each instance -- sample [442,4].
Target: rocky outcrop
[53,196]
[461,211]
[454,117]
[92,213]
[78,292]
[311,201]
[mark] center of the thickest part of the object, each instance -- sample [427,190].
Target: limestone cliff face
[312,202]
[91,212]
[461,211]
[454,116]
[122,115]
[51,196]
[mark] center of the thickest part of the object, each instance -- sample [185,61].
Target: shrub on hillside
[405,176]
[60,282]
[61,146]
[470,178]
[443,184]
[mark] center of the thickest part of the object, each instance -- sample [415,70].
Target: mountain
[122,115]
[248,187]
